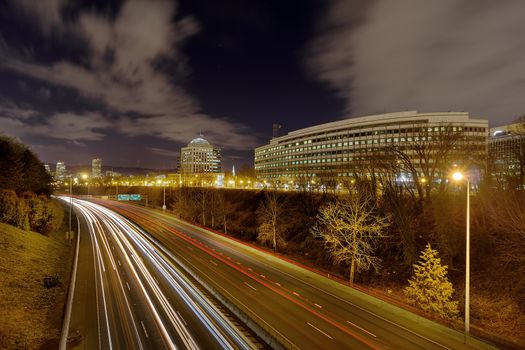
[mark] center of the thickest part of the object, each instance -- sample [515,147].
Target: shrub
[8,206]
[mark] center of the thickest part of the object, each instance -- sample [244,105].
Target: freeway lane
[128,296]
[303,309]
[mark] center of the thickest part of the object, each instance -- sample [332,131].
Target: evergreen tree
[430,288]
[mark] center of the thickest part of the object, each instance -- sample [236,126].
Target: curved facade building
[340,148]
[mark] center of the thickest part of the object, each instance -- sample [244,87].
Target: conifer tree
[430,288]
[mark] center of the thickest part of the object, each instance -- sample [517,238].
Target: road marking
[119,264]
[263,276]
[182,318]
[214,263]
[296,294]
[250,269]
[252,287]
[144,328]
[190,248]
[359,307]
[319,306]
[128,286]
[311,325]
[361,328]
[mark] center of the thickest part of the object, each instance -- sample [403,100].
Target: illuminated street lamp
[458,176]
[164,185]
[85,176]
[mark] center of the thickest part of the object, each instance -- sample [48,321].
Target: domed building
[200,157]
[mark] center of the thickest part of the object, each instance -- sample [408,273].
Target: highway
[298,307]
[129,295]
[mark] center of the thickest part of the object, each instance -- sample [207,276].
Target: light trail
[138,254]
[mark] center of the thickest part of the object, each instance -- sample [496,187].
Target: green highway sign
[123,197]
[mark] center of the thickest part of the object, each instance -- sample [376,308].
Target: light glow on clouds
[425,55]
[122,72]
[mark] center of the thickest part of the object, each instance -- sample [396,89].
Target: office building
[200,157]
[200,164]
[96,168]
[507,155]
[344,148]
[60,171]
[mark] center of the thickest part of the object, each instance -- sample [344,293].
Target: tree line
[24,189]
[21,170]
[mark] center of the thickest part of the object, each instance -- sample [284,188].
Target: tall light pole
[458,177]
[84,176]
[164,188]
[164,204]
[70,206]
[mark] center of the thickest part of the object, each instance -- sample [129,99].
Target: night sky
[132,81]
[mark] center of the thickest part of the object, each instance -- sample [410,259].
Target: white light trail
[135,249]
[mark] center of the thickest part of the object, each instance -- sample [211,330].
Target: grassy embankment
[31,314]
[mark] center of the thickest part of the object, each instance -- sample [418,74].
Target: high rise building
[200,157]
[96,168]
[507,155]
[60,170]
[353,147]
[48,168]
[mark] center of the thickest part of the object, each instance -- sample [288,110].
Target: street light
[458,176]
[164,185]
[70,205]
[84,176]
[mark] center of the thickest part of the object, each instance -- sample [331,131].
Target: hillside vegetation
[34,270]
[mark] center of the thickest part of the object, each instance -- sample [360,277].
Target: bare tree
[202,195]
[427,153]
[351,229]
[507,213]
[269,213]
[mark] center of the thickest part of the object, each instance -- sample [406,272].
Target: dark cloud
[20,122]
[430,56]
[164,152]
[123,70]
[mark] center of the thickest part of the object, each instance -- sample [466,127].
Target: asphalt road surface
[300,308]
[128,295]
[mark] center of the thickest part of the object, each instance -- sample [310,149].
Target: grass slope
[30,314]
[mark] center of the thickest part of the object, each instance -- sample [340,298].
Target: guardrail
[71,292]
[264,330]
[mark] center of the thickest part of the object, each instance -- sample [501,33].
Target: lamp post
[70,206]
[458,176]
[164,194]
[84,176]
[164,202]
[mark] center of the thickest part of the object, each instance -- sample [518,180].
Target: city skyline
[80,82]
